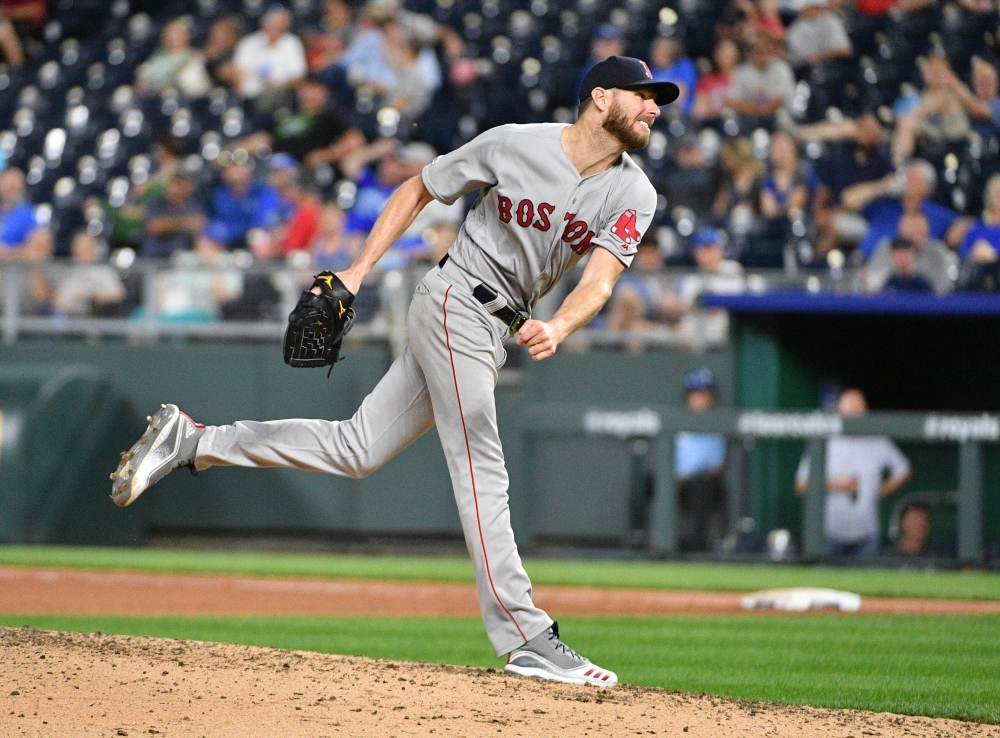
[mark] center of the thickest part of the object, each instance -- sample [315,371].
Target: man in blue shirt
[698,463]
[17,215]
[668,64]
[396,164]
[884,201]
[242,202]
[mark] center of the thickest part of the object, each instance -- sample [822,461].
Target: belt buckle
[516,325]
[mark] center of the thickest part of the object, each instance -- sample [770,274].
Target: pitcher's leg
[394,415]
[457,353]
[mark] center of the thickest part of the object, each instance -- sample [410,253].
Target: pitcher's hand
[540,338]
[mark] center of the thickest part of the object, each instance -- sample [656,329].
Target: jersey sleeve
[630,219]
[467,168]
[894,460]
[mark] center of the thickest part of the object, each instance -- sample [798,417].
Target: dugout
[906,352]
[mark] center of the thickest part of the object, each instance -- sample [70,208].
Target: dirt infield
[64,684]
[55,592]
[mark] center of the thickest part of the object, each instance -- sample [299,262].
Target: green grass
[656,575]
[935,666]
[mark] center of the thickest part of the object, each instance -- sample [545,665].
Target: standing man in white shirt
[860,471]
[271,59]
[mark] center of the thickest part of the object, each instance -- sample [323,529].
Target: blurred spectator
[608,41]
[860,471]
[933,262]
[29,15]
[175,218]
[302,225]
[17,215]
[691,183]
[88,285]
[980,248]
[715,275]
[884,201]
[396,164]
[668,63]
[983,103]
[412,87]
[315,134]
[915,525]
[698,466]
[174,64]
[10,43]
[762,85]
[34,294]
[242,202]
[219,50]
[715,89]
[643,297]
[336,31]
[200,282]
[941,117]
[763,21]
[331,249]
[270,60]
[790,183]
[739,194]
[904,276]
[857,153]
[394,43]
[817,35]
[981,242]
[128,220]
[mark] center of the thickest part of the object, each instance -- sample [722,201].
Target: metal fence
[142,319]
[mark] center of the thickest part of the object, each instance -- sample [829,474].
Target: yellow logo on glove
[328,278]
[342,309]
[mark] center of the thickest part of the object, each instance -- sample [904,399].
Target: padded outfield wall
[579,492]
[574,488]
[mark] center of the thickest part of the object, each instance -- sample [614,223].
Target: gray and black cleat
[547,657]
[169,442]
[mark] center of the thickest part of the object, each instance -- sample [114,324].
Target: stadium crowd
[810,135]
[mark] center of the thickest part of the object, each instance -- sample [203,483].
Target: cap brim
[665,92]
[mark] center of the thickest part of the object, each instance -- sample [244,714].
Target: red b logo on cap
[646,67]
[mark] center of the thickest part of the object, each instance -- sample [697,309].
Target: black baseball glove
[318,324]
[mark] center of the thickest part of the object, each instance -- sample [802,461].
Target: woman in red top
[713,93]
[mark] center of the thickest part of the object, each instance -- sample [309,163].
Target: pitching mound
[60,684]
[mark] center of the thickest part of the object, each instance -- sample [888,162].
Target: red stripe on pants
[472,476]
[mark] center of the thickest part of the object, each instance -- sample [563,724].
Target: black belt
[487,297]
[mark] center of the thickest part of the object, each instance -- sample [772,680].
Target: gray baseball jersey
[536,217]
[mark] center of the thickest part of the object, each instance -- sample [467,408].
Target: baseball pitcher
[549,195]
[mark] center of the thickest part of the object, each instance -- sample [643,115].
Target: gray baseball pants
[445,377]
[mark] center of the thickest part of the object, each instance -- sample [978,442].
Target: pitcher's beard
[621,127]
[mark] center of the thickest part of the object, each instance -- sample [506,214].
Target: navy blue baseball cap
[700,379]
[706,237]
[627,73]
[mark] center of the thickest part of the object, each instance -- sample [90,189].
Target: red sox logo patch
[625,229]
[646,67]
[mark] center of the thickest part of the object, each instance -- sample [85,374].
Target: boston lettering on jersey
[525,212]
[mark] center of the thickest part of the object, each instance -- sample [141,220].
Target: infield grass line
[916,665]
[972,585]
